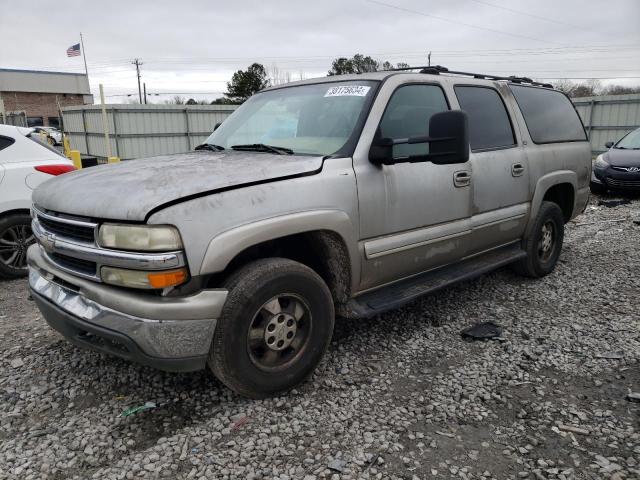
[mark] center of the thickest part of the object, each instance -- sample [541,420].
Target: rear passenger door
[500,183]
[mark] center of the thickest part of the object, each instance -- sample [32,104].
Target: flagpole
[86,71]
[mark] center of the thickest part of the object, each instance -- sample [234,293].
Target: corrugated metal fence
[608,117]
[137,131]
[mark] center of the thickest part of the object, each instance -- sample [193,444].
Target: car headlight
[139,279]
[144,238]
[600,162]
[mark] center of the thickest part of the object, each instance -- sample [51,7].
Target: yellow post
[74,155]
[66,146]
[113,160]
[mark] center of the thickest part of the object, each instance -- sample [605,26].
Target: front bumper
[169,333]
[616,179]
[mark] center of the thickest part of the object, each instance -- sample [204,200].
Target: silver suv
[346,195]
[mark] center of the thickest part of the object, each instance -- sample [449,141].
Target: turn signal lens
[167,279]
[145,280]
[55,170]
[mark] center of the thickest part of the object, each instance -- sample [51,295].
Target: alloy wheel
[546,244]
[279,332]
[14,242]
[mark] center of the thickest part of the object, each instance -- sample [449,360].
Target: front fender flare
[226,245]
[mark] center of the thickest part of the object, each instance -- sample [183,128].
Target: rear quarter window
[549,115]
[5,142]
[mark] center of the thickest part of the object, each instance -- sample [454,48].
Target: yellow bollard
[74,155]
[66,146]
[113,160]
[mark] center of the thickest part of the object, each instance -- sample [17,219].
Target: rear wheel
[544,244]
[276,324]
[15,238]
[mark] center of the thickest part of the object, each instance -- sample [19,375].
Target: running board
[402,292]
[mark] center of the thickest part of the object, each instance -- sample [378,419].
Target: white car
[24,164]
[54,136]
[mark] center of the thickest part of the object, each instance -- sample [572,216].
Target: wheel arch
[322,240]
[559,187]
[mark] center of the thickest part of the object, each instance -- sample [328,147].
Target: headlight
[146,280]
[144,238]
[600,162]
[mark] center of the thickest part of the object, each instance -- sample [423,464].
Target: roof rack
[438,69]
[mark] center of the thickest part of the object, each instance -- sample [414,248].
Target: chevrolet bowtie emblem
[48,241]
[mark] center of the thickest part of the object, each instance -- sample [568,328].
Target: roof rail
[438,69]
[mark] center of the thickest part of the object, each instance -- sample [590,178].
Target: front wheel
[15,238]
[276,325]
[544,243]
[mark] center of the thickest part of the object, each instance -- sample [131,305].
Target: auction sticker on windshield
[348,91]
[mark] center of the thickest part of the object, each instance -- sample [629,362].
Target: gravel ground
[399,396]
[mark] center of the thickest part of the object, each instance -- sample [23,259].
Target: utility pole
[144,87]
[429,59]
[138,64]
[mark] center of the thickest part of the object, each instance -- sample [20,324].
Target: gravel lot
[399,396]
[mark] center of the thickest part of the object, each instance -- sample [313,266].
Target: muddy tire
[15,237]
[274,329]
[544,243]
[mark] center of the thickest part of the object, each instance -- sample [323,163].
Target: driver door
[413,216]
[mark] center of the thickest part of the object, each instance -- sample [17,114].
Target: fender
[542,185]
[226,245]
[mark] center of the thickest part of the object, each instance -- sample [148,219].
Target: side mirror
[609,144]
[216,126]
[449,133]
[448,141]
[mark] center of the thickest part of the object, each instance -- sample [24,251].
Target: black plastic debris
[613,203]
[482,331]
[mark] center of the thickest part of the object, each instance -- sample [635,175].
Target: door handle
[462,178]
[517,169]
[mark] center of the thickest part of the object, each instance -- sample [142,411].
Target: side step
[399,293]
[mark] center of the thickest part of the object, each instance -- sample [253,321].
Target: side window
[549,115]
[5,142]
[489,124]
[408,113]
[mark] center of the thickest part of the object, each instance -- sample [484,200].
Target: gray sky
[195,46]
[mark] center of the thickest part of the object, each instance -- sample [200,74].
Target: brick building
[33,97]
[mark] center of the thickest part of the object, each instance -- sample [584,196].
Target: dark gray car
[619,167]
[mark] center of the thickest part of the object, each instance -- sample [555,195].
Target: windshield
[630,141]
[317,119]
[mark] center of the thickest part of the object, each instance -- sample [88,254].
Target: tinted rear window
[549,115]
[5,142]
[489,124]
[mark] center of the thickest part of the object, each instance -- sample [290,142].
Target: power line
[526,14]
[445,19]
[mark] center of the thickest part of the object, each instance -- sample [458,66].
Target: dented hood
[130,190]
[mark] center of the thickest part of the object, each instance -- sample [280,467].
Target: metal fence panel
[137,131]
[608,118]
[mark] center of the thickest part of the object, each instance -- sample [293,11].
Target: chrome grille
[72,232]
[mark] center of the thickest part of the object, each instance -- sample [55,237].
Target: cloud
[194,46]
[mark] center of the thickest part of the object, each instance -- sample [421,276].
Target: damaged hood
[130,190]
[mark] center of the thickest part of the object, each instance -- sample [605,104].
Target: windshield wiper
[209,146]
[261,147]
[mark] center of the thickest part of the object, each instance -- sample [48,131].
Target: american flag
[73,50]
